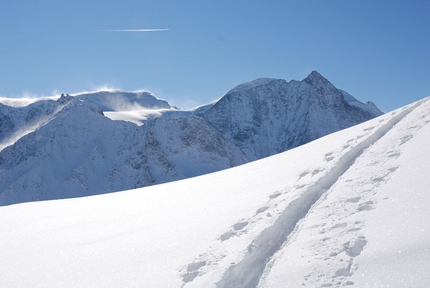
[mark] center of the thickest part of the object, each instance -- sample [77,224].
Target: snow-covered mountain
[18,119]
[268,116]
[349,209]
[80,152]
[75,149]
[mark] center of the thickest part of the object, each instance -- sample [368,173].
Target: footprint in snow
[240,225]
[316,171]
[237,227]
[354,229]
[353,200]
[227,235]
[352,249]
[355,248]
[275,195]
[405,139]
[378,180]
[303,174]
[394,155]
[339,225]
[261,210]
[192,271]
[365,207]
[329,158]
[299,187]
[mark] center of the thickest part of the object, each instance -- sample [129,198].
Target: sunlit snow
[349,209]
[136,116]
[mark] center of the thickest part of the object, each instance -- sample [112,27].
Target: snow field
[353,234]
[194,232]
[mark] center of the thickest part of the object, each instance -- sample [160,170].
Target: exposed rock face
[267,116]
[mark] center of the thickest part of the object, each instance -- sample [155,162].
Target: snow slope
[17,121]
[349,209]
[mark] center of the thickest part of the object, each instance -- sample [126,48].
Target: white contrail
[137,30]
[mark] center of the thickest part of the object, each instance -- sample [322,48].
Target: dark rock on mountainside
[267,116]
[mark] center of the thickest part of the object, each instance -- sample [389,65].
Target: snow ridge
[248,272]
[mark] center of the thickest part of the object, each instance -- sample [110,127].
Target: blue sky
[375,50]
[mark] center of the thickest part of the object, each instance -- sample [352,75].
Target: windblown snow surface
[349,209]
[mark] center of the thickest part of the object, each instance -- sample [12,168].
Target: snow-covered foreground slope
[351,208]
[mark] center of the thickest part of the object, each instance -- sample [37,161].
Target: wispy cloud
[137,30]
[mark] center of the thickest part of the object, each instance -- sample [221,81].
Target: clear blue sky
[375,50]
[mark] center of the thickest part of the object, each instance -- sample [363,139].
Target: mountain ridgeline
[69,148]
[268,116]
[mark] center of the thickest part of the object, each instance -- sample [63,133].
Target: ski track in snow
[255,265]
[320,236]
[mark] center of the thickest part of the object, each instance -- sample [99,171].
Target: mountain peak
[373,106]
[64,98]
[315,77]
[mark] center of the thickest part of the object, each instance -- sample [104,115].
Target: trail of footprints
[197,268]
[346,227]
[345,253]
[347,223]
[341,226]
